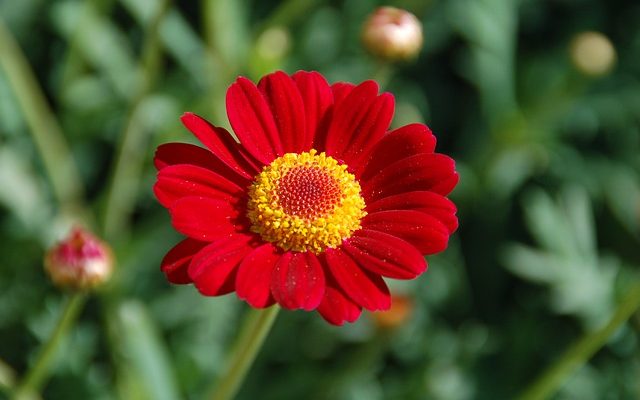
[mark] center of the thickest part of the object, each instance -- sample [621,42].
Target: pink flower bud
[392,34]
[80,261]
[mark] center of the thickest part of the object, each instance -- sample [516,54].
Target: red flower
[315,205]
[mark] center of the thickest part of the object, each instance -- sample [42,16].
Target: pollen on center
[305,202]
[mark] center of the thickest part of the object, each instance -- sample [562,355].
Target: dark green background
[549,196]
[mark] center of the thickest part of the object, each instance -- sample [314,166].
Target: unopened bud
[81,261]
[592,53]
[392,34]
[400,311]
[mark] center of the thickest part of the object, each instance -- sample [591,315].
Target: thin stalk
[354,366]
[252,335]
[43,125]
[287,13]
[7,377]
[122,192]
[382,74]
[38,372]
[73,62]
[223,72]
[578,354]
[126,170]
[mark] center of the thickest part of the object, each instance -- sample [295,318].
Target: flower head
[316,203]
[80,261]
[392,34]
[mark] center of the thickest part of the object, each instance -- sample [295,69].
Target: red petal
[253,283]
[336,308]
[398,144]
[184,180]
[252,121]
[423,231]
[213,269]
[221,144]
[287,108]
[317,98]
[176,262]
[341,90]
[385,254]
[348,115]
[430,172]
[298,281]
[203,218]
[430,203]
[365,288]
[370,130]
[184,153]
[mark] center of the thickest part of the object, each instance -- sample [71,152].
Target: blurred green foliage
[549,199]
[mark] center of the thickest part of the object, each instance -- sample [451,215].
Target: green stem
[254,330]
[73,62]
[222,69]
[287,13]
[382,74]
[124,183]
[7,377]
[44,127]
[128,165]
[353,367]
[36,376]
[581,351]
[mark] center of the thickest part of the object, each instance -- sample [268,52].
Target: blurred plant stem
[356,365]
[230,42]
[43,125]
[73,62]
[221,62]
[287,13]
[7,377]
[140,354]
[128,165]
[255,328]
[578,354]
[382,74]
[37,374]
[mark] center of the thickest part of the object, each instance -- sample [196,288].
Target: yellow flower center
[305,201]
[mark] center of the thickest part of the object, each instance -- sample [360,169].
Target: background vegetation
[549,199]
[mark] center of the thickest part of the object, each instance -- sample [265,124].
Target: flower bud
[397,315]
[592,53]
[81,261]
[392,34]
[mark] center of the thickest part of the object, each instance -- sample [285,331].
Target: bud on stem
[392,34]
[81,261]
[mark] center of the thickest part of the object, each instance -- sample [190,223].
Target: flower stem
[286,13]
[36,376]
[254,330]
[583,349]
[382,74]
[7,377]
[127,168]
[43,125]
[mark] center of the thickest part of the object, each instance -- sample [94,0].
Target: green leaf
[145,352]
[100,41]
